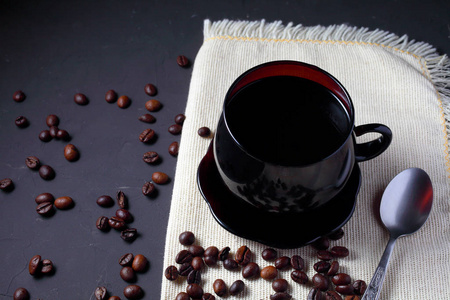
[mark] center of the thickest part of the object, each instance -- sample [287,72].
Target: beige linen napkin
[392,80]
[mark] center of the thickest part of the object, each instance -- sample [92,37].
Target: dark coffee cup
[285,141]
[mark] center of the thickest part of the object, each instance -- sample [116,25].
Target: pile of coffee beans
[53,131]
[46,203]
[37,266]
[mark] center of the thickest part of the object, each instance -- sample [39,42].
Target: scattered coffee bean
[173,148]
[117,223]
[46,172]
[194,290]
[129,234]
[102,223]
[197,263]
[147,118]
[194,277]
[64,203]
[186,238]
[32,162]
[122,200]
[133,292]
[21,294]
[243,255]
[52,120]
[182,296]
[127,274]
[126,259]
[322,267]
[153,105]
[230,264]
[280,296]
[182,61]
[321,282]
[297,262]
[341,279]
[44,197]
[210,260]
[250,270]
[211,251]
[315,294]
[80,99]
[337,235]
[339,251]
[19,96]
[196,250]
[171,273]
[151,157]
[148,188]
[35,265]
[45,209]
[345,289]
[111,96]
[269,254]
[280,285]
[63,135]
[53,131]
[125,215]
[147,136]
[105,201]
[21,122]
[322,243]
[140,263]
[220,288]
[324,255]
[123,101]
[179,119]
[160,178]
[223,254]
[204,131]
[47,266]
[185,269]
[208,296]
[6,184]
[237,287]
[299,276]
[332,295]
[150,89]
[175,129]
[359,287]
[282,263]
[114,298]
[269,273]
[45,136]
[184,256]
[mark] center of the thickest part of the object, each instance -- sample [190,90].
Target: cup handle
[371,149]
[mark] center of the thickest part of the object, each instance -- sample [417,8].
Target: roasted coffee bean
[21,122]
[269,254]
[194,290]
[280,285]
[147,135]
[105,201]
[133,292]
[147,118]
[322,243]
[194,277]
[197,263]
[175,129]
[46,172]
[243,255]
[334,268]
[150,89]
[151,157]
[208,296]
[237,287]
[184,256]
[345,289]
[196,250]
[80,99]
[186,238]
[35,265]
[341,279]
[339,251]
[148,188]
[179,119]
[269,273]
[315,294]
[47,266]
[21,294]
[160,178]
[337,235]
[102,223]
[322,267]
[182,61]
[64,203]
[250,270]
[324,255]
[299,276]
[280,296]
[223,254]
[359,287]
[117,223]
[210,260]
[122,200]
[171,273]
[211,251]
[282,263]
[352,297]
[128,274]
[220,288]
[45,136]
[140,263]
[123,101]
[32,162]
[63,135]
[129,234]
[45,208]
[71,152]
[111,96]
[230,264]
[321,282]
[19,96]
[44,197]
[185,269]
[126,259]
[204,131]
[114,298]
[125,215]
[182,296]
[153,105]
[52,120]
[173,148]
[6,184]
[53,131]
[297,262]
[332,295]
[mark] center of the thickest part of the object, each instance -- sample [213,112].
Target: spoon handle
[374,288]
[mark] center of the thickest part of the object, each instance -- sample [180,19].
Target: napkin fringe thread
[438,66]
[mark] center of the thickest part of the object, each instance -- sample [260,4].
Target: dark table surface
[54,49]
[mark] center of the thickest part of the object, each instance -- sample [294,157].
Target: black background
[54,49]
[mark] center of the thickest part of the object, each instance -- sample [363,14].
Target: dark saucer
[286,230]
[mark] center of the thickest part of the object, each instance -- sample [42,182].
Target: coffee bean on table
[211,260]
[126,259]
[53,131]
[133,292]
[324,255]
[282,263]
[280,285]
[237,287]
[21,122]
[52,120]
[45,136]
[153,105]
[122,200]
[160,178]
[250,270]
[185,269]
[208,296]
[211,251]
[114,298]
[111,96]
[334,268]
[339,251]
[147,135]
[151,157]
[46,172]
[230,264]
[19,96]
[194,290]
[173,148]
[297,262]
[315,294]
[35,265]
[223,254]
[171,273]
[194,277]
[179,119]
[45,209]
[148,188]
[123,101]
[341,279]
[320,281]
[345,289]
[102,223]
[196,250]
[21,294]
[299,276]
[105,201]
[204,131]
[197,263]
[280,296]
[359,287]
[47,266]
[80,99]
[182,61]
[186,238]
[220,288]
[100,293]
[44,197]
[63,135]
[269,254]
[150,89]
[184,256]
[140,263]
[322,267]
[129,234]
[269,273]
[182,296]
[117,223]
[64,203]
[125,215]
[147,118]
[332,295]
[128,274]
[243,255]
[6,184]
[175,129]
